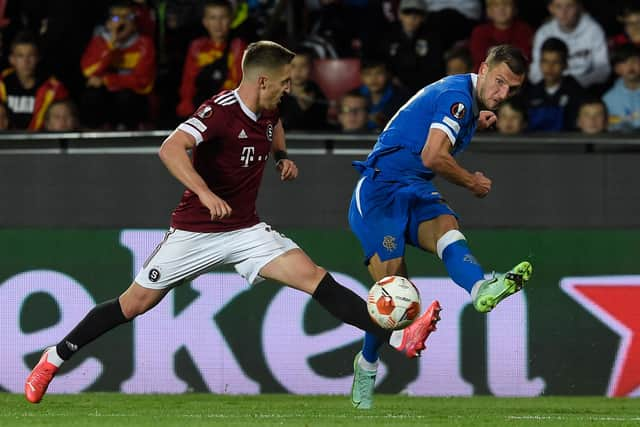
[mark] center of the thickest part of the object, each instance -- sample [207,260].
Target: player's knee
[447,239]
[394,267]
[316,274]
[390,267]
[131,310]
[312,278]
[135,303]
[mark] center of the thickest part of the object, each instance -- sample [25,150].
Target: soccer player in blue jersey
[395,202]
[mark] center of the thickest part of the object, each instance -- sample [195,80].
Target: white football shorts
[183,255]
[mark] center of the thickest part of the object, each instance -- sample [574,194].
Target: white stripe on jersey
[446,130]
[191,131]
[452,124]
[224,98]
[358,195]
[197,124]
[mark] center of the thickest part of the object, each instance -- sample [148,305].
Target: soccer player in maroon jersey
[231,137]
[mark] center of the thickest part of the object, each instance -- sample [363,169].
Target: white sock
[53,357]
[367,366]
[396,338]
[474,290]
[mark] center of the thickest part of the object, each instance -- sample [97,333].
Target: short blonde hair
[265,54]
[510,55]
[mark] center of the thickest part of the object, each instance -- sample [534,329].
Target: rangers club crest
[458,110]
[269,132]
[389,243]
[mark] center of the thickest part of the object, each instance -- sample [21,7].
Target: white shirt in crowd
[588,54]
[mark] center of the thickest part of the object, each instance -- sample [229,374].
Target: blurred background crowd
[72,65]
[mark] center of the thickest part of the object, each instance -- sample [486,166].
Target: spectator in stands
[213,62]
[384,97]
[178,23]
[251,19]
[592,116]
[334,29]
[26,91]
[5,114]
[352,112]
[305,106]
[413,51]
[62,29]
[503,27]
[553,102]
[458,60]
[61,116]
[512,117]
[588,56]
[119,65]
[145,17]
[453,20]
[629,17]
[623,99]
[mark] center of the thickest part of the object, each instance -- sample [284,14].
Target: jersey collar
[253,116]
[474,83]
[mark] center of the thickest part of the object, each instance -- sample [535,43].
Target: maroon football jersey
[233,146]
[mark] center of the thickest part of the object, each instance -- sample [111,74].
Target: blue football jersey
[448,104]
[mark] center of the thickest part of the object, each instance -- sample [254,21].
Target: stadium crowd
[114,65]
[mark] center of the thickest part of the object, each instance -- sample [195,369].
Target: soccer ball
[394,302]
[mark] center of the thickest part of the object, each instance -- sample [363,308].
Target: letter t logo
[247,156]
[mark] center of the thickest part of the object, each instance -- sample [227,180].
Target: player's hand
[288,169]
[486,119]
[218,208]
[481,185]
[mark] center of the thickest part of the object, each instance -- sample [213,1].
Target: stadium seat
[336,76]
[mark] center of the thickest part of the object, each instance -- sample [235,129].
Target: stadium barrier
[115,180]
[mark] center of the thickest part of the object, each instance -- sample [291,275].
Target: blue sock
[370,348]
[462,266]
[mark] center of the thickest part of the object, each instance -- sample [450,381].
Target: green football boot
[364,382]
[492,291]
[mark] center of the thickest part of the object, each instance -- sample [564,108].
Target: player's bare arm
[436,155]
[173,154]
[288,169]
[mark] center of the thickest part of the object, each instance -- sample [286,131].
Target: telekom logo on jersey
[247,156]
[160,334]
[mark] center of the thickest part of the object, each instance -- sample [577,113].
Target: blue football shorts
[385,215]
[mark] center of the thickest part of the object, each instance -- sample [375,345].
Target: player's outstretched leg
[488,293]
[100,319]
[37,382]
[410,341]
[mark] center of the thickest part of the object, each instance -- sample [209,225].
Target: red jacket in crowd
[38,100]
[620,40]
[130,66]
[485,36]
[203,51]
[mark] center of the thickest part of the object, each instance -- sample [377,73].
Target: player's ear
[484,67]
[262,82]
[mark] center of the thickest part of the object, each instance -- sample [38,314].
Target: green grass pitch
[113,409]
